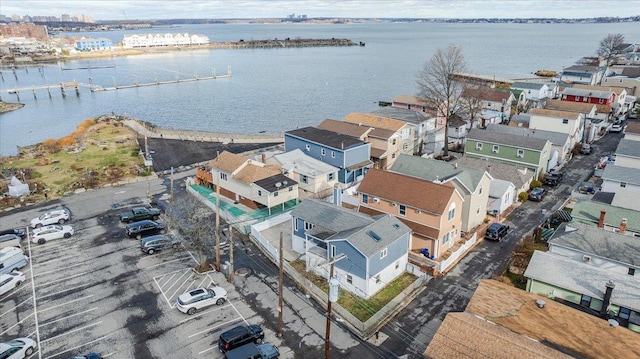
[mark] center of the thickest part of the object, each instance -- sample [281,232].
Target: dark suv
[553,178]
[496,231]
[156,243]
[240,336]
[144,228]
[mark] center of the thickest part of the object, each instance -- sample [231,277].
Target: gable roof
[228,162]
[556,138]
[628,148]
[589,212]
[355,129]
[616,90]
[622,174]
[598,241]
[573,91]
[374,121]
[434,170]
[583,278]
[303,164]
[327,138]
[403,114]
[554,113]
[486,94]
[464,335]
[570,106]
[413,192]
[631,71]
[528,85]
[582,68]
[499,187]
[535,144]
[333,222]
[519,176]
[410,100]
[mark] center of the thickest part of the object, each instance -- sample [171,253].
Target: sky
[225,9]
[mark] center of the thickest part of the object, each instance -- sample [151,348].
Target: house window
[479,146]
[601,100]
[585,301]
[275,194]
[331,176]
[480,192]
[445,238]
[393,141]
[405,146]
[307,147]
[260,193]
[365,198]
[378,279]
[349,279]
[452,212]
[624,313]
[520,153]
[623,184]
[577,99]
[565,121]
[333,154]
[402,210]
[393,155]
[333,251]
[223,176]
[632,271]
[290,189]
[383,253]
[397,264]
[323,152]
[304,179]
[478,210]
[308,226]
[295,224]
[495,149]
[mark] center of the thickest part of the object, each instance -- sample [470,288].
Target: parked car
[496,231]
[10,240]
[87,356]
[553,178]
[616,128]
[12,259]
[58,216]
[20,232]
[141,229]
[200,298]
[17,348]
[10,281]
[586,149]
[157,243]
[43,234]
[240,336]
[537,194]
[139,214]
[253,351]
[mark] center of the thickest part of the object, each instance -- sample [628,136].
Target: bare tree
[195,223]
[609,47]
[472,102]
[439,87]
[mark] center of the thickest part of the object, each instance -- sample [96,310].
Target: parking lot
[97,292]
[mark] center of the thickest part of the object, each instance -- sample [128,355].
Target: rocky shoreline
[10,106]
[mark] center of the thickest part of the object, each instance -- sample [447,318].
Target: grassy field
[98,152]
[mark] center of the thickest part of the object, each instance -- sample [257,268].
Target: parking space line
[161,291]
[206,350]
[69,316]
[62,291]
[179,288]
[71,331]
[19,304]
[54,260]
[49,282]
[23,319]
[58,270]
[163,263]
[202,313]
[187,271]
[212,328]
[166,274]
[69,302]
[173,274]
[60,249]
[12,292]
[76,347]
[237,311]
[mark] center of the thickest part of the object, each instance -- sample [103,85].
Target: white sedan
[58,216]
[616,128]
[194,300]
[43,234]
[17,348]
[10,281]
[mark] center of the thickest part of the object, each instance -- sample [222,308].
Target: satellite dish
[278,185]
[284,183]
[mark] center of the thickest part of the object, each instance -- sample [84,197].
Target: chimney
[217,155]
[607,298]
[264,158]
[601,220]
[489,169]
[342,145]
[623,226]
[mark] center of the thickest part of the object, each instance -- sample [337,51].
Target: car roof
[495,225]
[50,226]
[155,238]
[139,223]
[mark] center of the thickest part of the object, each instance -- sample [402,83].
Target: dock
[157,83]
[63,86]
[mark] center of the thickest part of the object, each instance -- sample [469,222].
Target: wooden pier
[166,82]
[63,86]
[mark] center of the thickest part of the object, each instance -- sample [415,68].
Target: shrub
[535,184]
[523,196]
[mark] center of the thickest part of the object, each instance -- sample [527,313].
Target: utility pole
[280,309]
[171,198]
[218,209]
[230,253]
[333,296]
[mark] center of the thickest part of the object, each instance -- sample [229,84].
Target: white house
[582,74]
[536,91]
[628,153]
[615,177]
[571,123]
[501,196]
[315,178]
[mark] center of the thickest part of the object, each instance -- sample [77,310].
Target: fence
[460,252]
[272,251]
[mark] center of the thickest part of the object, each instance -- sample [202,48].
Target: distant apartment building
[90,44]
[38,32]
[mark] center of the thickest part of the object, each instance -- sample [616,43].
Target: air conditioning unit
[394,204]
[586,258]
[376,199]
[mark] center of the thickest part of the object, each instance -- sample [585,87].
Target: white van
[11,259]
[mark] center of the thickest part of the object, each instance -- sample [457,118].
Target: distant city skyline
[211,9]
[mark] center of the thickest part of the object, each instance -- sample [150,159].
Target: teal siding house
[523,151]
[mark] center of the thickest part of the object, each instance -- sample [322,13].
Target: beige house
[571,123]
[405,130]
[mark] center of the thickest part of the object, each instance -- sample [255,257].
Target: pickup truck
[139,214]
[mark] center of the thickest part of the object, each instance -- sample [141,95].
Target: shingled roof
[328,138]
[535,144]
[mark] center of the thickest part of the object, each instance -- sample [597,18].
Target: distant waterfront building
[90,44]
[163,40]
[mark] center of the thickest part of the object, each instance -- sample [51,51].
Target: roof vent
[540,303]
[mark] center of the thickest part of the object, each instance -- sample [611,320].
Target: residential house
[349,154]
[571,123]
[529,152]
[597,116]
[607,216]
[248,182]
[615,177]
[520,99]
[594,289]
[519,176]
[405,130]
[501,196]
[91,44]
[620,98]
[432,210]
[376,248]
[606,97]
[472,183]
[560,142]
[582,74]
[494,103]
[429,129]
[457,130]
[536,91]
[521,120]
[628,153]
[315,178]
[386,145]
[624,76]
[632,131]
[614,252]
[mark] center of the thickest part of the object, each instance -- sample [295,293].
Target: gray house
[376,248]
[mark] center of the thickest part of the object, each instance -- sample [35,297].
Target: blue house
[349,154]
[89,44]
[376,248]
